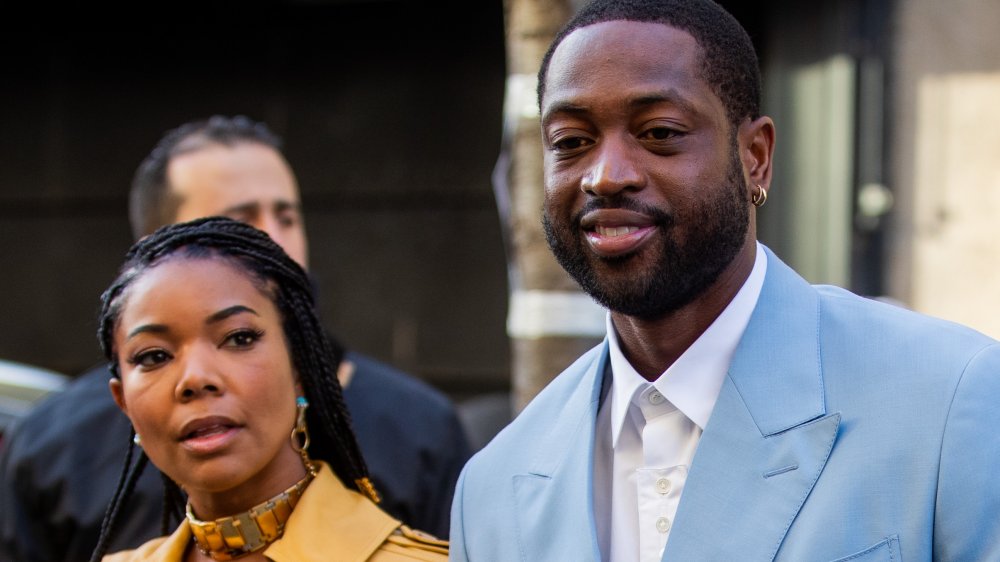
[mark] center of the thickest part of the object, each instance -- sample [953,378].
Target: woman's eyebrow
[230,311]
[147,328]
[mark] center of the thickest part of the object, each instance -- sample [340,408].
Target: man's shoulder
[82,404]
[384,400]
[390,383]
[842,310]
[897,324]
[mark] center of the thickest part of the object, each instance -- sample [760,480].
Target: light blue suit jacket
[846,429]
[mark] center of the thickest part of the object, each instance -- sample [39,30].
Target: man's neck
[653,345]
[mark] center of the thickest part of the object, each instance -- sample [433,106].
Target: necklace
[231,537]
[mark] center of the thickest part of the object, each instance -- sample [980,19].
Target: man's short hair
[729,61]
[152,203]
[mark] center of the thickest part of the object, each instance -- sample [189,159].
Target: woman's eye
[150,358]
[242,338]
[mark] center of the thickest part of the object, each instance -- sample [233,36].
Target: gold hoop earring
[300,434]
[759,197]
[300,442]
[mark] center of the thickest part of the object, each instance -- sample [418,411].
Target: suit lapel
[768,438]
[554,498]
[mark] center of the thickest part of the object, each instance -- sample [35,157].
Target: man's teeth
[616,230]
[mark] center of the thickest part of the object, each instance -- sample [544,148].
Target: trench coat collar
[329,519]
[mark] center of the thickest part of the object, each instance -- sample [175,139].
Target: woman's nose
[199,377]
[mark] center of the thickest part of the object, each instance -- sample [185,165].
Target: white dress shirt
[647,432]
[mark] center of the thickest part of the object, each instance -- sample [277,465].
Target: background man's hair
[729,61]
[152,203]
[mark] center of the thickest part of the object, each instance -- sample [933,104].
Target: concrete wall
[810,59]
[945,242]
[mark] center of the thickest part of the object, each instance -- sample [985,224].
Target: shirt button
[655,398]
[663,486]
[663,524]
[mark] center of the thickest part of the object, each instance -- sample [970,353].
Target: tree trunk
[550,321]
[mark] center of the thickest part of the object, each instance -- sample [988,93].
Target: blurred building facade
[888,176]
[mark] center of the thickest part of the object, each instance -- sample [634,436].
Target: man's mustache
[660,217]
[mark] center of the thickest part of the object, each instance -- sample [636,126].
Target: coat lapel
[769,435]
[556,493]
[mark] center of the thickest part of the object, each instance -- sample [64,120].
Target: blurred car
[21,386]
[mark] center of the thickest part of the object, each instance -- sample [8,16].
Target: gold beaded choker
[238,535]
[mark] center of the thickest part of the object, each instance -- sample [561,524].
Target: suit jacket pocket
[885,551]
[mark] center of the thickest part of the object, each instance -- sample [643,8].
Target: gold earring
[300,442]
[759,197]
[300,434]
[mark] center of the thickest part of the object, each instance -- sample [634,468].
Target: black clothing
[60,463]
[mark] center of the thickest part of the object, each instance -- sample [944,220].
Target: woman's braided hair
[314,358]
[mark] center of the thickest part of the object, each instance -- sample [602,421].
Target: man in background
[60,463]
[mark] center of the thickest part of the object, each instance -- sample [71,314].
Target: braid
[173,505]
[314,356]
[126,484]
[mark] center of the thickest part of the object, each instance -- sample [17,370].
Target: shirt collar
[693,382]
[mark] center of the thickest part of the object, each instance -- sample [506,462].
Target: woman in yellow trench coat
[222,367]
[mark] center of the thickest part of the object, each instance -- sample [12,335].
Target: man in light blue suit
[734,412]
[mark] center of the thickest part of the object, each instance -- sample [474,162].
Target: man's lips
[616,232]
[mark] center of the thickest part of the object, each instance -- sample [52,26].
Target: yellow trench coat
[330,524]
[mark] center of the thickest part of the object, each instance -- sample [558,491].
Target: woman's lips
[210,442]
[208,435]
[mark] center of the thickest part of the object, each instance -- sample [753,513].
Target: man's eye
[242,338]
[662,133]
[150,358]
[570,143]
[242,216]
[288,219]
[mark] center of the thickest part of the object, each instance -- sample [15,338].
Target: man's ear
[756,146]
[118,393]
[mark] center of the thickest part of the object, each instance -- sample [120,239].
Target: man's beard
[716,231]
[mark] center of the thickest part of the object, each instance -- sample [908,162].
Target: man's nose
[291,238]
[269,224]
[613,170]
